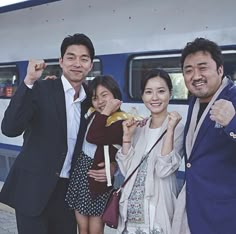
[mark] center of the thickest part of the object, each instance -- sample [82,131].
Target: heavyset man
[209,194]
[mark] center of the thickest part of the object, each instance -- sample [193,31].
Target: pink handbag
[110,214]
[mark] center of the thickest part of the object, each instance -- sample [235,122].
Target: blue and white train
[130,37]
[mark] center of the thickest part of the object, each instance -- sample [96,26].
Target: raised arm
[21,108]
[168,141]
[172,149]
[125,154]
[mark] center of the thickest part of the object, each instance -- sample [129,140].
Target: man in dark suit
[50,113]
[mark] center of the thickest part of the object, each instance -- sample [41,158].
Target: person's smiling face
[156,95]
[76,64]
[101,97]
[201,75]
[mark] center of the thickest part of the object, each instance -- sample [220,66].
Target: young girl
[147,201]
[86,195]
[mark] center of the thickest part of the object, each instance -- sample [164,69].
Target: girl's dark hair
[106,81]
[154,73]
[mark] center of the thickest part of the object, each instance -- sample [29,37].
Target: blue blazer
[211,174]
[40,114]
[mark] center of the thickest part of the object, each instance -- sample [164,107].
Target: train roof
[114,26]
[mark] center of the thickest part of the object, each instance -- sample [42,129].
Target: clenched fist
[34,71]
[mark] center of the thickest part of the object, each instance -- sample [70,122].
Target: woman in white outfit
[148,199]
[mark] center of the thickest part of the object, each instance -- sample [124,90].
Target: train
[130,37]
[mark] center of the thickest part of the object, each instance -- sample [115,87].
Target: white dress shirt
[73,114]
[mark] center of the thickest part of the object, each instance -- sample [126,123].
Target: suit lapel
[186,129]
[207,123]
[59,99]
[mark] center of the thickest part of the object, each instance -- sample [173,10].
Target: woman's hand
[129,126]
[174,119]
[168,140]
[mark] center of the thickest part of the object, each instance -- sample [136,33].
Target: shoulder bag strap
[144,158]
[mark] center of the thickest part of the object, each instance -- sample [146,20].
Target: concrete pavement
[8,220]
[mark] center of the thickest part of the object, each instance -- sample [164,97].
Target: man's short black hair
[78,39]
[205,45]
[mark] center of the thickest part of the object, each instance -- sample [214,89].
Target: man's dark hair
[156,73]
[78,39]
[205,45]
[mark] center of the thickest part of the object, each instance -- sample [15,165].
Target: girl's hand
[112,106]
[174,119]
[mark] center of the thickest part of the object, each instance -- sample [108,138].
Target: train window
[229,64]
[53,68]
[139,65]
[96,70]
[8,80]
